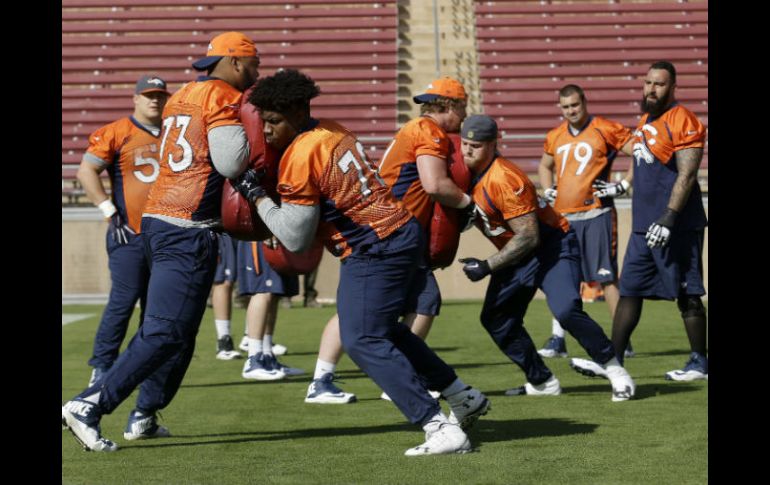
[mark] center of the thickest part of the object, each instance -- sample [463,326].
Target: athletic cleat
[271,362]
[434,394]
[244,345]
[448,438]
[256,368]
[623,386]
[629,352]
[554,347]
[226,349]
[279,349]
[323,391]
[467,406]
[697,367]
[96,375]
[143,426]
[588,368]
[551,387]
[82,418]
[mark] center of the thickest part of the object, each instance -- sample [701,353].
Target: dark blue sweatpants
[129,275]
[555,268]
[371,296]
[182,265]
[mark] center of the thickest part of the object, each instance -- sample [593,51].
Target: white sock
[612,362]
[223,328]
[556,328]
[323,367]
[93,398]
[453,388]
[267,343]
[255,346]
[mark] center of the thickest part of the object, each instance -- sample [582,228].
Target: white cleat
[434,394]
[623,386]
[448,438]
[588,368]
[79,417]
[551,387]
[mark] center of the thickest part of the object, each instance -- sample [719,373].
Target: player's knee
[691,306]
[567,311]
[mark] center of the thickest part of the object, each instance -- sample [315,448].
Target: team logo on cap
[470,135]
[155,81]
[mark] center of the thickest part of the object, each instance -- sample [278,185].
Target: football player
[324,175]
[663,257]
[202,142]
[574,171]
[536,249]
[128,149]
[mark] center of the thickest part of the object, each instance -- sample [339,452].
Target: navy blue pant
[182,265]
[129,275]
[371,296]
[555,269]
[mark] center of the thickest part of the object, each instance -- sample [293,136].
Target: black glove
[659,232]
[248,184]
[475,269]
[466,216]
[119,229]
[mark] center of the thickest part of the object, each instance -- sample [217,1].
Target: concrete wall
[85,272]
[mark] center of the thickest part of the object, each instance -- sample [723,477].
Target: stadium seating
[528,50]
[349,48]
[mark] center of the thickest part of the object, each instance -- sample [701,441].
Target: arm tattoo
[526,237]
[687,163]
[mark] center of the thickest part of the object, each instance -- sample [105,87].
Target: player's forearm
[88,176]
[293,224]
[447,193]
[546,176]
[687,163]
[516,250]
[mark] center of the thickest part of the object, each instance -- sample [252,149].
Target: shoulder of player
[502,167]
[116,129]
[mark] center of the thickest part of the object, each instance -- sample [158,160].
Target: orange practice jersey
[655,145]
[189,187]
[676,129]
[398,168]
[327,166]
[130,153]
[503,192]
[581,159]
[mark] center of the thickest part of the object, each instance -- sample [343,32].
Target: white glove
[659,232]
[549,194]
[657,236]
[610,189]
[641,152]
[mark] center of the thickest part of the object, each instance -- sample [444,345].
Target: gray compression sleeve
[293,224]
[229,149]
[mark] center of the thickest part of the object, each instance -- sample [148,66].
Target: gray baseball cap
[479,128]
[150,84]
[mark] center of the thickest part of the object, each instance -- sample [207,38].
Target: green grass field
[229,430]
